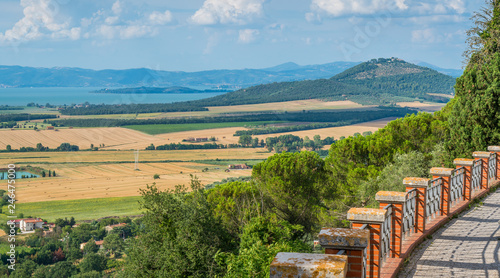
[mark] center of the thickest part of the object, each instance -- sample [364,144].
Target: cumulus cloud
[248,35]
[424,36]
[158,18]
[337,8]
[228,11]
[343,7]
[41,19]
[113,24]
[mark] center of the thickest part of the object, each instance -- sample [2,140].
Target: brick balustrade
[401,222]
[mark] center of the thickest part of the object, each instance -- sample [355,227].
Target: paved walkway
[468,246]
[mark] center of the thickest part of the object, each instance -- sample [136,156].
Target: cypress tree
[475,118]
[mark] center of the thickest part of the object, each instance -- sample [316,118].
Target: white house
[29,224]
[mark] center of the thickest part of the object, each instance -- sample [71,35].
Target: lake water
[60,96]
[19,175]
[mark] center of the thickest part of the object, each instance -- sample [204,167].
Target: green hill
[379,81]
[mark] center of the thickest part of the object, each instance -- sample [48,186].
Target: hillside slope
[379,81]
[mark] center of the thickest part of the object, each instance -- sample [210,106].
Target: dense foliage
[25,117]
[103,109]
[474,121]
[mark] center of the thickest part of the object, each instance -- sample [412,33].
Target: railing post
[353,241]
[496,149]
[484,157]
[308,265]
[445,175]
[467,164]
[397,199]
[421,185]
[374,218]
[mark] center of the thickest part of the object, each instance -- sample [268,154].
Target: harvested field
[116,157]
[111,137]
[336,132]
[113,180]
[425,106]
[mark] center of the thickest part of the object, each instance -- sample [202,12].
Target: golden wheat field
[225,135]
[127,139]
[35,158]
[114,180]
[83,137]
[423,106]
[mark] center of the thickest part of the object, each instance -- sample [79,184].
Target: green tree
[93,262]
[63,270]
[236,203]
[43,174]
[262,238]
[91,274]
[8,148]
[114,244]
[475,117]
[181,236]
[294,183]
[90,247]
[245,140]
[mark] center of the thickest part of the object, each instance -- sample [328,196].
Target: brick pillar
[484,157]
[445,175]
[421,185]
[308,265]
[467,164]
[496,149]
[353,241]
[397,199]
[375,218]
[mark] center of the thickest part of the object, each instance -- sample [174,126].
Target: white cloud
[424,36]
[41,19]
[158,18]
[248,35]
[337,8]
[112,24]
[117,8]
[343,7]
[228,11]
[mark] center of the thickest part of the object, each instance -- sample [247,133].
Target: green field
[30,110]
[85,209]
[160,129]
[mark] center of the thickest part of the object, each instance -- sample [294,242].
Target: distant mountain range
[17,76]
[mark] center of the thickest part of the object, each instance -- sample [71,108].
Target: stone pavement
[468,246]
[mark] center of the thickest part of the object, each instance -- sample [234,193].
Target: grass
[84,209]
[161,129]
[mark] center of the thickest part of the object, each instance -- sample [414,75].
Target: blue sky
[192,35]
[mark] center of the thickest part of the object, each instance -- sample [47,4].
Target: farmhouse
[98,243]
[239,166]
[50,128]
[29,224]
[109,228]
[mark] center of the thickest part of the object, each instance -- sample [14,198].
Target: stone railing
[379,240]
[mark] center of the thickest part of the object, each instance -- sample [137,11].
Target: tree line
[340,116]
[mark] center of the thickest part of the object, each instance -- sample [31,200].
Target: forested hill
[379,81]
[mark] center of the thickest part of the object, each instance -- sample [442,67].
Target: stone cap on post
[481,154]
[390,197]
[341,238]
[441,172]
[494,148]
[366,215]
[463,162]
[308,265]
[416,182]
